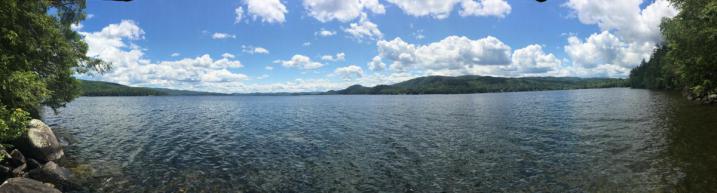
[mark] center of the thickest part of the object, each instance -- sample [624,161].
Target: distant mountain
[482,84]
[99,88]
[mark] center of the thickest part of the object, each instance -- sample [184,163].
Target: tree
[687,60]
[692,37]
[39,55]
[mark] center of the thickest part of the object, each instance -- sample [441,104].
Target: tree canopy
[40,54]
[687,59]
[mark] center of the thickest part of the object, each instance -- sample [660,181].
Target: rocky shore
[28,165]
[704,98]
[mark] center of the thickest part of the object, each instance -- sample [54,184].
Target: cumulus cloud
[221,36]
[269,11]
[441,9]
[341,10]
[131,67]
[301,62]
[606,49]
[349,72]
[228,55]
[254,50]
[238,14]
[325,33]
[376,64]
[453,52]
[531,60]
[625,17]
[364,30]
[339,57]
[629,34]
[497,8]
[175,54]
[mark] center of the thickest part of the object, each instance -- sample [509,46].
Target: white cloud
[131,67]
[376,64]
[301,62]
[629,34]
[222,75]
[364,30]
[339,57]
[325,33]
[606,48]
[90,16]
[239,14]
[228,55]
[175,54]
[221,36]
[306,44]
[270,11]
[254,50]
[531,60]
[441,9]
[497,8]
[625,17]
[269,68]
[349,72]
[341,10]
[453,52]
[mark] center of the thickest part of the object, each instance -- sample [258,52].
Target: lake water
[595,140]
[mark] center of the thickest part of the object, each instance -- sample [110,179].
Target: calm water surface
[598,140]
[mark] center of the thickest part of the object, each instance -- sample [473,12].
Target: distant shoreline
[417,86]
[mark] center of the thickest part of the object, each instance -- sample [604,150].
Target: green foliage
[39,54]
[98,88]
[655,73]
[12,124]
[688,59]
[481,84]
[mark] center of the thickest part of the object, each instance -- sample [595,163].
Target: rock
[54,174]
[712,98]
[40,142]
[16,158]
[32,164]
[19,170]
[5,173]
[24,185]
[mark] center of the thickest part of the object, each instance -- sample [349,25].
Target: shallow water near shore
[594,140]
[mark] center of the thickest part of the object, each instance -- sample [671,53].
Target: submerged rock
[40,142]
[54,174]
[24,185]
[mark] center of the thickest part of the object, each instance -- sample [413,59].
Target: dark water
[599,140]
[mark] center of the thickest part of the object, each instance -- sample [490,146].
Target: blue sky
[316,45]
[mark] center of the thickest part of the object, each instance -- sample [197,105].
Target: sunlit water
[598,140]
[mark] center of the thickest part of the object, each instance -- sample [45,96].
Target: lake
[593,140]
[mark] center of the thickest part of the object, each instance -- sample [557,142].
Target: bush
[12,124]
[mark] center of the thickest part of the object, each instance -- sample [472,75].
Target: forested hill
[482,84]
[99,88]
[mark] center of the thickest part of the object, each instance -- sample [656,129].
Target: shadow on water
[692,144]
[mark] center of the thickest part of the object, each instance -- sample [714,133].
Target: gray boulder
[40,142]
[54,174]
[16,158]
[24,185]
